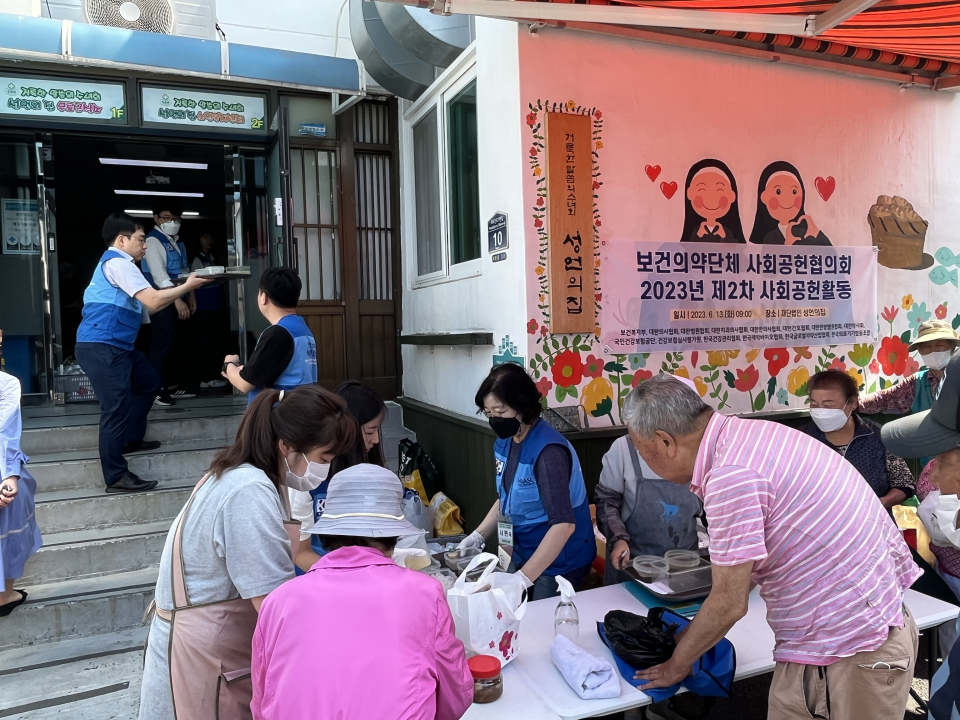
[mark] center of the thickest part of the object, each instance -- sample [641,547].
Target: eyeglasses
[167,217]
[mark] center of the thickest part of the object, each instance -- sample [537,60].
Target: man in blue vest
[286,353]
[165,258]
[115,304]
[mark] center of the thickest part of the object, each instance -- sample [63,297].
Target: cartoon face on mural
[781,219]
[711,211]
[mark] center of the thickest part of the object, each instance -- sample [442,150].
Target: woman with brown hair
[229,548]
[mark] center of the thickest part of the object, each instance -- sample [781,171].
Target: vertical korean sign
[570,222]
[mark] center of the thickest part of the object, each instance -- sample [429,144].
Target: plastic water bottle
[566,621]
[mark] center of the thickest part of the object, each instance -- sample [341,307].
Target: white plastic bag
[488,612]
[416,513]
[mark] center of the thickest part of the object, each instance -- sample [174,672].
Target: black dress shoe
[131,483]
[141,446]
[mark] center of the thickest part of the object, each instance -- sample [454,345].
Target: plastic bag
[417,512]
[640,641]
[446,516]
[417,470]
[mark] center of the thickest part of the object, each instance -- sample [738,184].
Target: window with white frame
[446,180]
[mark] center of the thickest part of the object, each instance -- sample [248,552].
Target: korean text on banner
[681,297]
[570,222]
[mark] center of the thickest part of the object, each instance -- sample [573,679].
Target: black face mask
[505,428]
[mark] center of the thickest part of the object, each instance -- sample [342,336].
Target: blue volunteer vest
[209,297]
[302,368]
[525,507]
[319,496]
[176,257]
[110,316]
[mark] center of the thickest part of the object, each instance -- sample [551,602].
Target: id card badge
[505,533]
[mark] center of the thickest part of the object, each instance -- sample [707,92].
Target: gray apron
[663,517]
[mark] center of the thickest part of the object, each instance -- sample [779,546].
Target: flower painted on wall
[910,366]
[567,369]
[802,353]
[540,270]
[752,355]
[544,386]
[637,360]
[777,359]
[532,327]
[893,355]
[783,397]
[531,119]
[837,364]
[797,381]
[593,366]
[721,358]
[746,379]
[702,387]
[907,302]
[682,372]
[857,375]
[597,398]
[874,367]
[639,376]
[861,355]
[918,314]
[890,313]
[941,311]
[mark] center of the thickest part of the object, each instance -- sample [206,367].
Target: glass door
[25,291]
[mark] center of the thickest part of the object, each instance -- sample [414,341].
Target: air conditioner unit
[189,18]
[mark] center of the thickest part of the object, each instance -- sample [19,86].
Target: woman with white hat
[358,636]
[229,548]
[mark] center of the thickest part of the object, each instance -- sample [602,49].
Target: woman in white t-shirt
[229,548]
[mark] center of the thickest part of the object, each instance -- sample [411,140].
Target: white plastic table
[534,689]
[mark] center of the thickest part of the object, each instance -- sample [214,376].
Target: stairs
[75,648]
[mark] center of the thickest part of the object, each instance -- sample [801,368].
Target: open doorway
[99,176]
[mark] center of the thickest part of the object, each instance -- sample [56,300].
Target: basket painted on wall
[897,232]
[74,388]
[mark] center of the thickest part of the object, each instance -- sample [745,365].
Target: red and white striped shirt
[830,563]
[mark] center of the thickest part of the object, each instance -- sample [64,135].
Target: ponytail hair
[307,418]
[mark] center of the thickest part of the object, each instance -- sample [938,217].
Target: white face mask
[171,228]
[937,360]
[938,513]
[828,419]
[315,474]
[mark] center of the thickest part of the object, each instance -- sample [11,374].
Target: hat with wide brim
[364,501]
[934,330]
[919,435]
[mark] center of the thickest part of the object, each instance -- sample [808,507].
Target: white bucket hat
[364,501]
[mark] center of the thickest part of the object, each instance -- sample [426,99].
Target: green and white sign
[62,98]
[21,227]
[204,108]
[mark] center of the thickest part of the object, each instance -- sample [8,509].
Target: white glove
[526,581]
[473,541]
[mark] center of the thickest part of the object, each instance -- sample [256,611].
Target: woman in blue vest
[366,407]
[542,499]
[936,342]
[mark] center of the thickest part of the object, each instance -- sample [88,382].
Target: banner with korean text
[689,296]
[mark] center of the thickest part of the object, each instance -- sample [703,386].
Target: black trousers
[126,384]
[163,326]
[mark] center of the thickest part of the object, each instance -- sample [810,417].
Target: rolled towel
[592,678]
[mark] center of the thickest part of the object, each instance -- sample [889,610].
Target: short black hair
[513,387]
[335,542]
[171,205]
[119,224]
[834,378]
[282,285]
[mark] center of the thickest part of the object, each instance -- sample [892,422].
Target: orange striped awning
[913,34]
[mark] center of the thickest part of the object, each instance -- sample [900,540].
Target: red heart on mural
[668,189]
[652,171]
[825,186]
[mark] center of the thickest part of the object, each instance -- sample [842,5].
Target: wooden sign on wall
[570,222]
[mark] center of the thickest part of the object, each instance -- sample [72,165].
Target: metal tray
[678,586]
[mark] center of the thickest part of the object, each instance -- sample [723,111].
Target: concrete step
[77,554]
[64,510]
[183,461]
[118,701]
[45,440]
[72,609]
[47,687]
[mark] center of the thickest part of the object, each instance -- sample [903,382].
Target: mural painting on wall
[827,310]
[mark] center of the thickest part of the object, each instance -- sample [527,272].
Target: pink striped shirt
[830,563]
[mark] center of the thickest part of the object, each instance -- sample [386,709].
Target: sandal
[11,606]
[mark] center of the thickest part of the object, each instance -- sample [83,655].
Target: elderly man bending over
[793,516]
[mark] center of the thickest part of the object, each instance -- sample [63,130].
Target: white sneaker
[182,394]
[214,384]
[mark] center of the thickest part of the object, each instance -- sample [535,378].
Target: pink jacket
[358,638]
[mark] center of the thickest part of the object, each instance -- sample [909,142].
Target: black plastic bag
[417,470]
[640,641]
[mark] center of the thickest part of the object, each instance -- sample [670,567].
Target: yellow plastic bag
[906,518]
[446,516]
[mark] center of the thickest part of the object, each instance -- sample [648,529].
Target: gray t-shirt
[234,542]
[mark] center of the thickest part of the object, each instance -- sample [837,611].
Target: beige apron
[210,644]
